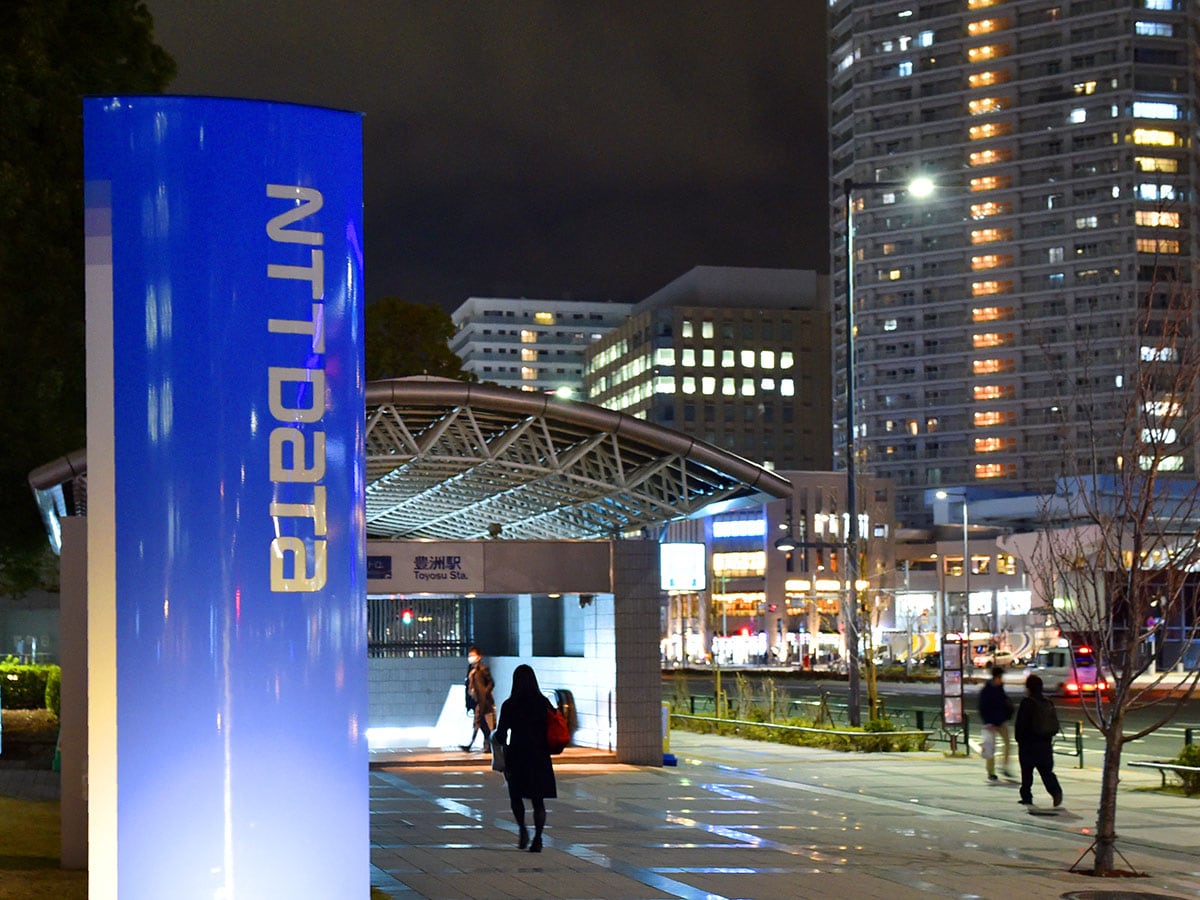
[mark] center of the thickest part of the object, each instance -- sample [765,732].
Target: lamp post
[920,187]
[962,492]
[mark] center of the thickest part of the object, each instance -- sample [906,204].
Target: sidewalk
[742,819]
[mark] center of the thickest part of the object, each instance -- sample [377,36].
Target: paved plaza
[740,819]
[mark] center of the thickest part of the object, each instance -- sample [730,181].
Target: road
[899,696]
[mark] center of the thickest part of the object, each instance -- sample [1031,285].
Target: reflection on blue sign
[224,251]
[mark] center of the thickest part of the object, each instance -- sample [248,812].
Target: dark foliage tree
[54,53]
[404,338]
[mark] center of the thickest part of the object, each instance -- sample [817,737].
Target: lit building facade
[737,357]
[1062,138]
[531,345]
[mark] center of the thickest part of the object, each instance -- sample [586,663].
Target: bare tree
[1118,549]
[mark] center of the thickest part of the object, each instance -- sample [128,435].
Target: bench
[1165,767]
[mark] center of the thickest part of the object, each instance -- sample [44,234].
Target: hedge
[29,687]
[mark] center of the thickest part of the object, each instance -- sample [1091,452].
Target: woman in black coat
[527,769]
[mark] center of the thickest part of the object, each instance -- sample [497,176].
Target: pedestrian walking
[995,709]
[1036,726]
[521,731]
[480,699]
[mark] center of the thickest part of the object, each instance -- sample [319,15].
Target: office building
[995,315]
[531,345]
[737,357]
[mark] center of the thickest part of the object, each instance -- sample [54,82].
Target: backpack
[1044,722]
[558,735]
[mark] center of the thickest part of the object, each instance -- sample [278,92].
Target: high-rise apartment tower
[1062,137]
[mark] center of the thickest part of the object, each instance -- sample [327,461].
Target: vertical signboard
[226,540]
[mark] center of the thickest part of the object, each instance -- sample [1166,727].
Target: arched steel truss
[450,460]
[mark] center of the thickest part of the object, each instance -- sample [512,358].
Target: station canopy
[451,460]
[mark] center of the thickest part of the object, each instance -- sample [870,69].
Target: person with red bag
[521,731]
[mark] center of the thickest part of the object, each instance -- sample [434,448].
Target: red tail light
[1071,687]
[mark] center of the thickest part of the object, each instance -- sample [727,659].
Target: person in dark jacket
[480,702]
[527,768]
[1037,723]
[995,709]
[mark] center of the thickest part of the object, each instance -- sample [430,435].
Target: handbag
[497,756]
[987,747]
[558,735]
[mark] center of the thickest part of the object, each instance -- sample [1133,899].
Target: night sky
[530,148]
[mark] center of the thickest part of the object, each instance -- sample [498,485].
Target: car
[1003,658]
[1071,672]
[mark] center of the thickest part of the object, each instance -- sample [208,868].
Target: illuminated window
[767,359]
[991,313]
[727,359]
[1163,409]
[664,384]
[1153,29]
[985,105]
[994,444]
[728,387]
[1154,137]
[987,51]
[528,355]
[1006,564]
[767,384]
[706,330]
[988,235]
[786,359]
[544,318]
[991,208]
[1085,87]
[740,565]
[1157,245]
[1156,192]
[664,356]
[1155,219]
[912,427]
[995,470]
[685,328]
[991,261]
[1159,435]
[986,26]
[1143,109]
[787,387]
[687,357]
[747,387]
[994,391]
[980,4]
[708,385]
[984,288]
[990,130]
[1156,164]
[528,337]
[991,182]
[1166,464]
[988,157]
[991,339]
[993,417]
[1159,354]
[708,357]
[688,384]
[987,79]
[748,357]
[1085,222]
[528,373]
[931,424]
[992,366]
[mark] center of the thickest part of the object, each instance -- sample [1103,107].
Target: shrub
[23,686]
[1189,756]
[54,690]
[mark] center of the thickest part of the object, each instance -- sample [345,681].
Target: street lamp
[920,187]
[962,492]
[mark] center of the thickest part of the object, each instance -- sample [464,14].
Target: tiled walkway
[745,820]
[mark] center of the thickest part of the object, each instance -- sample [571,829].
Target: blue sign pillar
[226,541]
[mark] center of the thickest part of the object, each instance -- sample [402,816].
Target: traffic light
[406,617]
